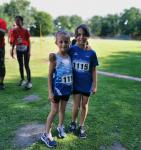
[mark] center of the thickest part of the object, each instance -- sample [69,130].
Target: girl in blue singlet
[84,61]
[59,86]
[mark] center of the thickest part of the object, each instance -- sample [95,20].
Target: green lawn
[114,112]
[123,57]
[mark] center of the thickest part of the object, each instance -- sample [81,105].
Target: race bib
[67,79]
[19,40]
[21,48]
[81,66]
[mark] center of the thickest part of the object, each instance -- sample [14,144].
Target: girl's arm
[52,64]
[94,76]
[12,51]
[13,43]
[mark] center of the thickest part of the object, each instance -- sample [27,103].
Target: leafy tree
[62,22]
[4,16]
[43,24]
[129,21]
[113,25]
[19,7]
[95,24]
[139,26]
[68,23]
[75,21]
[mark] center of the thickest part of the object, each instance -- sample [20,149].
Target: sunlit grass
[114,112]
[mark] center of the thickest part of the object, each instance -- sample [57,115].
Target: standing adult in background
[20,38]
[3,27]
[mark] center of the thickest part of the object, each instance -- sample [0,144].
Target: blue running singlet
[62,76]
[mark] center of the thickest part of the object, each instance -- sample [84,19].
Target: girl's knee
[27,67]
[62,110]
[76,107]
[84,106]
[54,111]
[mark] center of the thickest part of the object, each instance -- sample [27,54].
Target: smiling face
[63,42]
[81,37]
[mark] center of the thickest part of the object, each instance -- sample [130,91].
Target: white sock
[49,135]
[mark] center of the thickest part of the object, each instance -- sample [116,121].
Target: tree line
[125,24]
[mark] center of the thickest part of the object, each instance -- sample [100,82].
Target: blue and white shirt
[62,76]
[83,62]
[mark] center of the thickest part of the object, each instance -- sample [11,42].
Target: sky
[84,8]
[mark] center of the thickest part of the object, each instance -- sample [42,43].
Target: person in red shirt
[3,28]
[20,38]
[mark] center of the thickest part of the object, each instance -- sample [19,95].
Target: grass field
[114,112]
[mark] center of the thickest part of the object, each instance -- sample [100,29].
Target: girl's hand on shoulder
[88,47]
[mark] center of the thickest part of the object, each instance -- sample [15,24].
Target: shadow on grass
[127,63]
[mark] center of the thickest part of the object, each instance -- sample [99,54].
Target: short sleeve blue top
[83,62]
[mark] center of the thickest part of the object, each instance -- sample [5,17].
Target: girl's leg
[60,128]
[51,116]
[75,110]
[84,109]
[27,68]
[83,115]
[20,61]
[62,109]
[76,106]
[47,136]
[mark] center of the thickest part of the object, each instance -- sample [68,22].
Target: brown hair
[85,28]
